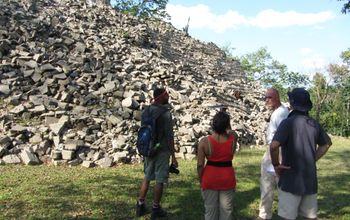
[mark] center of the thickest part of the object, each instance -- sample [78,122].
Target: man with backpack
[156,166]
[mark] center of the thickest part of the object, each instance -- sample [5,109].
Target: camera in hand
[173,169]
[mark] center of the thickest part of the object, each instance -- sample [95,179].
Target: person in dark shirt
[157,167]
[303,141]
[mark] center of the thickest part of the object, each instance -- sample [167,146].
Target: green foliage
[227,48]
[330,89]
[340,97]
[28,121]
[256,64]
[50,192]
[125,34]
[142,8]
[338,72]
[332,98]
[261,66]
[345,55]
[346,6]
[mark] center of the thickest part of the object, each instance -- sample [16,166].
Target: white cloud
[318,27]
[272,19]
[315,62]
[202,17]
[305,51]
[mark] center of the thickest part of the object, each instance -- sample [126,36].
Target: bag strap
[156,117]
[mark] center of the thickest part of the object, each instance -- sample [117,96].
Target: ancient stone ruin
[74,80]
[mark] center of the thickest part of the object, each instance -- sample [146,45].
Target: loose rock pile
[74,80]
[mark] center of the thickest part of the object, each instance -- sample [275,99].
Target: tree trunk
[318,110]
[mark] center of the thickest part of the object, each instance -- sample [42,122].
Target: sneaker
[158,213]
[140,209]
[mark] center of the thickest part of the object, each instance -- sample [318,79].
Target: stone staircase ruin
[74,80]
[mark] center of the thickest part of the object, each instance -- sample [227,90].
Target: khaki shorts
[290,205]
[157,168]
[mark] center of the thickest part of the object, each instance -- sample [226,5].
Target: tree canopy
[330,91]
[142,8]
[346,6]
[345,55]
[329,88]
[261,66]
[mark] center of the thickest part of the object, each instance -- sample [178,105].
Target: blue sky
[306,35]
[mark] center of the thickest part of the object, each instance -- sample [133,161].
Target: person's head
[221,122]
[272,98]
[299,99]
[160,96]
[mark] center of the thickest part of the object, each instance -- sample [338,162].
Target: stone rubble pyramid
[74,80]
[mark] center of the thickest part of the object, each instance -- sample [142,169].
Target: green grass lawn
[48,192]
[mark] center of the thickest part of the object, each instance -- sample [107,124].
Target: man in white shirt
[268,177]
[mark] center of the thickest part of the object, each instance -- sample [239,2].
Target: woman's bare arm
[201,156]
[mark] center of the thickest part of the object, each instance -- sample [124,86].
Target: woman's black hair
[221,122]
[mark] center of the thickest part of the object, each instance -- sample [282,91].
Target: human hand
[174,161]
[280,168]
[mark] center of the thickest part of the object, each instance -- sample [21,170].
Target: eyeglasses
[268,97]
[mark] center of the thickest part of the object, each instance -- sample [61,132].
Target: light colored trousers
[268,184]
[218,204]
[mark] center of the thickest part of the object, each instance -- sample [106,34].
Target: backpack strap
[155,117]
[162,112]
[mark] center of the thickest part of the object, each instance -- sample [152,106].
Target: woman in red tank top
[217,177]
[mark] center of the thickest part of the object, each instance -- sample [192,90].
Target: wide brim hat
[299,99]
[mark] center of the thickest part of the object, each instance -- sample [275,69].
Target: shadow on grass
[189,204]
[112,193]
[334,184]
[183,199]
[248,192]
[99,197]
[341,157]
